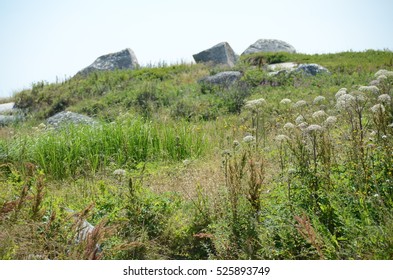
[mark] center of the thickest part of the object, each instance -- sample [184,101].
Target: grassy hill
[273,167]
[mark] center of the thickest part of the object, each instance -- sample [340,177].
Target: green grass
[76,150]
[191,187]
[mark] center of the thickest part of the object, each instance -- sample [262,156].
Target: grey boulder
[269,45]
[67,117]
[124,59]
[7,120]
[311,69]
[226,78]
[9,114]
[221,53]
[6,107]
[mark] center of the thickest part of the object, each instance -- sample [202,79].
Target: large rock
[9,114]
[6,107]
[221,53]
[311,69]
[67,117]
[269,45]
[277,67]
[7,120]
[226,78]
[124,59]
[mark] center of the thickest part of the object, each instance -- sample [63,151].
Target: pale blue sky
[45,39]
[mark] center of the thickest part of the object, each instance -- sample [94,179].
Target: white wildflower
[236,143]
[359,97]
[289,125]
[299,119]
[378,108]
[383,72]
[281,137]
[314,127]
[390,125]
[369,89]
[303,125]
[380,72]
[384,98]
[340,92]
[119,172]
[382,77]
[255,104]
[300,103]
[319,114]
[248,139]
[384,137]
[331,120]
[319,99]
[345,101]
[285,101]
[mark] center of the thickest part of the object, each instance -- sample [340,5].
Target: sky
[49,40]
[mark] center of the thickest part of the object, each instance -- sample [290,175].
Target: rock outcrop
[269,45]
[9,114]
[311,69]
[221,53]
[67,117]
[124,59]
[6,107]
[225,79]
[290,67]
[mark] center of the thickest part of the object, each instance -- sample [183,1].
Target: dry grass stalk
[234,176]
[306,230]
[8,207]
[257,176]
[89,237]
[38,198]
[92,249]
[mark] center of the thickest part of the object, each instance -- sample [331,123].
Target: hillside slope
[273,166]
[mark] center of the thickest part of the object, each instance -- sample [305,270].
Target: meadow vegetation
[273,167]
